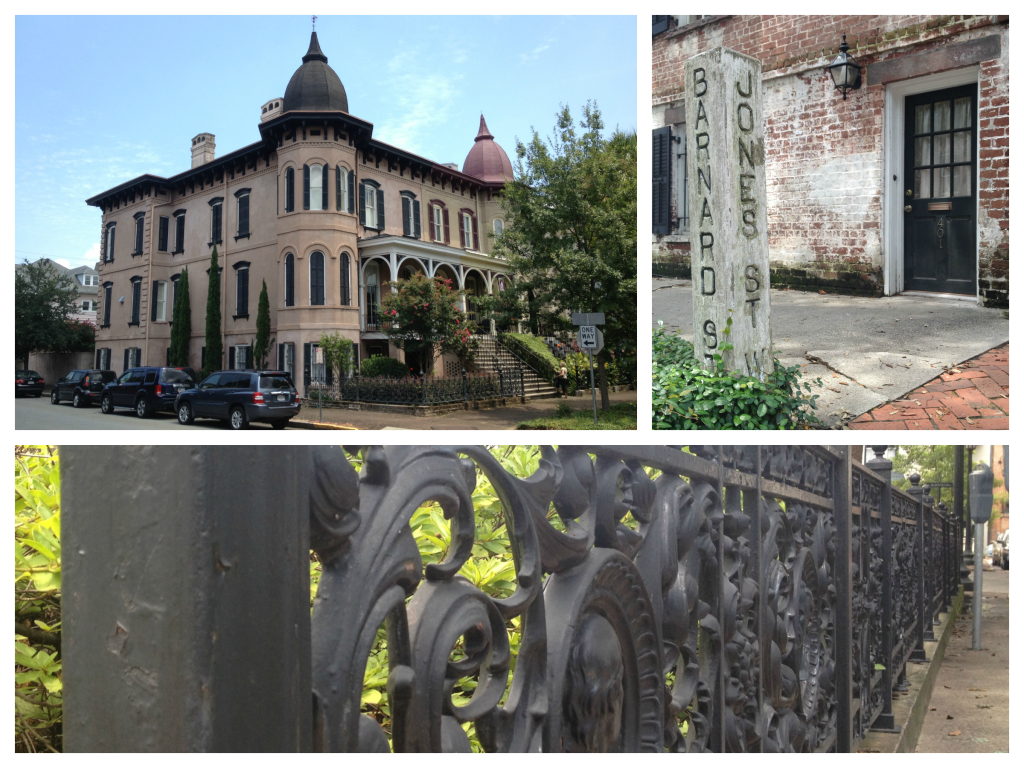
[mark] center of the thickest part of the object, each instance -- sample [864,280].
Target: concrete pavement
[867,351]
[40,413]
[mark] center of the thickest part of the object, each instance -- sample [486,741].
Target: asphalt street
[40,413]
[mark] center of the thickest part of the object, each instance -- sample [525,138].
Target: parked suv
[1001,551]
[147,390]
[240,397]
[81,387]
[28,383]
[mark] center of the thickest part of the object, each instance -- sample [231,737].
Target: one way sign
[590,339]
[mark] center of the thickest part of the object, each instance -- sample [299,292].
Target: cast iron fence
[746,599]
[422,390]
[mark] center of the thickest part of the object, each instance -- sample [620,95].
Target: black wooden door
[940,207]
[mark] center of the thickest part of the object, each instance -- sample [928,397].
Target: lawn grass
[621,416]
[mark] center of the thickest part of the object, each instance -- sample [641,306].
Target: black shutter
[661,191]
[243,292]
[231,358]
[362,203]
[152,301]
[345,270]
[110,234]
[337,184]
[163,233]
[447,239]
[659,24]
[138,233]
[215,228]
[305,366]
[125,361]
[107,292]
[202,357]
[316,283]
[280,357]
[99,355]
[289,190]
[243,215]
[416,218]
[289,281]
[323,207]
[351,191]
[476,236]
[305,187]
[380,210]
[433,227]
[136,300]
[179,244]
[406,212]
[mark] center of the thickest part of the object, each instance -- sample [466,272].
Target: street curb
[910,714]
[317,425]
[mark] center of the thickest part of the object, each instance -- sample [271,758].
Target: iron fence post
[465,388]
[915,490]
[186,598]
[883,468]
[929,563]
[841,493]
[752,507]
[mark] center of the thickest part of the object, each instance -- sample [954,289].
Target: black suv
[81,387]
[147,390]
[239,397]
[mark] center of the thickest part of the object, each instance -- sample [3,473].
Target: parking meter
[980,485]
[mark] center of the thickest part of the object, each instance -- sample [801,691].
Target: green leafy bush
[379,365]
[685,396]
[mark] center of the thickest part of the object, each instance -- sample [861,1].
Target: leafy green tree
[44,303]
[571,234]
[338,355]
[424,316]
[181,331]
[261,347]
[935,463]
[214,342]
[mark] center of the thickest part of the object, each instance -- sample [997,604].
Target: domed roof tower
[315,87]
[486,160]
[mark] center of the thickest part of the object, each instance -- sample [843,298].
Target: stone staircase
[490,355]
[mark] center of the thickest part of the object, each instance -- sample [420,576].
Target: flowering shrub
[427,319]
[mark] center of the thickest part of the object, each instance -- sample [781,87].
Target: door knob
[907,208]
[910,193]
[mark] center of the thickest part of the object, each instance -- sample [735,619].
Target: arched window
[346,296]
[316,188]
[289,280]
[499,227]
[316,279]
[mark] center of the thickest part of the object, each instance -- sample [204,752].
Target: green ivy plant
[686,396]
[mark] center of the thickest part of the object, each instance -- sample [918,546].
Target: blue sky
[100,100]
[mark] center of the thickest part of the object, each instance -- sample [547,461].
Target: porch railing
[716,599]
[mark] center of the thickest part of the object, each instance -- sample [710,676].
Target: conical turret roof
[315,87]
[486,160]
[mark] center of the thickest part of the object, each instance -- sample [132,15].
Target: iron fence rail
[715,599]
[423,390]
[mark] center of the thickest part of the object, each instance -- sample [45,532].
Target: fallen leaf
[984,706]
[833,389]
[955,370]
[949,717]
[968,419]
[954,733]
[843,383]
[945,686]
[822,293]
[932,709]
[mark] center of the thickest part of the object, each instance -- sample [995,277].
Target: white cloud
[534,54]
[421,100]
[92,255]
[64,263]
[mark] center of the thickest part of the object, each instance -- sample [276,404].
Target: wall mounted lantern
[844,70]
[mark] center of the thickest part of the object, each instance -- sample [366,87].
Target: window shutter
[346,269]
[231,358]
[380,210]
[99,354]
[289,190]
[138,234]
[362,203]
[243,215]
[305,364]
[305,187]
[289,281]
[661,166]
[406,213]
[416,218]
[243,292]
[110,234]
[433,233]
[324,190]
[351,191]
[108,291]
[152,302]
[337,185]
[136,300]
[179,245]
[280,357]
[447,230]
[163,233]
[125,361]
[476,236]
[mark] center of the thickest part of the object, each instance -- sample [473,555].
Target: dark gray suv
[240,397]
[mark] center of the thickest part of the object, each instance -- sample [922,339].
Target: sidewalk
[868,352]
[974,395]
[970,705]
[491,418]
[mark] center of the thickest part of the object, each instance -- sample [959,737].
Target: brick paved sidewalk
[974,395]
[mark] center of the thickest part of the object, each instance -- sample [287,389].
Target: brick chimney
[203,147]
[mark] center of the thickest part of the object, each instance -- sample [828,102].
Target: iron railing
[715,599]
[422,390]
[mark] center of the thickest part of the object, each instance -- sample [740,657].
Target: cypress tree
[181,331]
[214,342]
[262,345]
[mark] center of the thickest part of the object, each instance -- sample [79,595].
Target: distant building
[87,282]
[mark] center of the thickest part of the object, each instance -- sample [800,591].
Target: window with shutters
[316,279]
[241,290]
[410,215]
[179,232]
[438,222]
[160,301]
[162,237]
[103,363]
[216,218]
[140,223]
[342,190]
[289,280]
[136,299]
[242,204]
[316,187]
[346,277]
[108,289]
[289,190]
[108,251]
[661,190]
[134,357]
[370,195]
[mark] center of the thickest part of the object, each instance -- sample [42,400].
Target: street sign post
[590,340]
